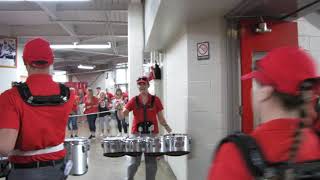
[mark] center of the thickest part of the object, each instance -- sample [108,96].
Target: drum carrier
[53,100]
[146,126]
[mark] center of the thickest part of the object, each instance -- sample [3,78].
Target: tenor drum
[134,146]
[77,152]
[4,166]
[155,146]
[113,146]
[177,144]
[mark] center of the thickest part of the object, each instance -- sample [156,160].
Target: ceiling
[92,22]
[191,11]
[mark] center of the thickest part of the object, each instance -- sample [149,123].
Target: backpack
[261,169]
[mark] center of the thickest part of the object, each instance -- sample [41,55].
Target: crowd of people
[101,106]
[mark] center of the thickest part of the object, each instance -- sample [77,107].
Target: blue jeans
[72,123]
[92,122]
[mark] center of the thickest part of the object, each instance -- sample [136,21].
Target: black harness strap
[53,100]
[250,151]
[146,124]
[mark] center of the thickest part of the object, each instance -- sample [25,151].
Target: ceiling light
[85,67]
[46,0]
[81,46]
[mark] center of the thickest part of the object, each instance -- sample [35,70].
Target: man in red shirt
[147,110]
[279,100]
[33,119]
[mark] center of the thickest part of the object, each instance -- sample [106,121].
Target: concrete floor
[101,167]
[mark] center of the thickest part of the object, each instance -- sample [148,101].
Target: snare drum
[155,146]
[77,152]
[4,166]
[177,144]
[113,146]
[134,146]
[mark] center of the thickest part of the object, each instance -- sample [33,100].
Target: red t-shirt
[93,105]
[275,140]
[39,127]
[110,96]
[138,112]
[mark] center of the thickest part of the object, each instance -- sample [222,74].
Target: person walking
[33,119]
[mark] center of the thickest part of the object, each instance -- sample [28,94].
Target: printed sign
[203,50]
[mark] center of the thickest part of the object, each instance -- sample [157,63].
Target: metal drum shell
[155,146]
[134,146]
[177,144]
[113,147]
[77,151]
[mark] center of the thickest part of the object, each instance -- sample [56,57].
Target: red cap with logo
[37,53]
[143,79]
[285,69]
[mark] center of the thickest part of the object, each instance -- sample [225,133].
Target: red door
[253,45]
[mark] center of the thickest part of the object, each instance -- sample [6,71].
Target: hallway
[101,167]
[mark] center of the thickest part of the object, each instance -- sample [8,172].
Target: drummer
[33,119]
[147,110]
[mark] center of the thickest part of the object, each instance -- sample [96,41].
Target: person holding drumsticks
[147,110]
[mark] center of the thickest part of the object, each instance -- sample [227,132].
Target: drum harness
[145,127]
[37,101]
[261,169]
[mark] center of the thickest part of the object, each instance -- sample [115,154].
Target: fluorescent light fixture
[46,0]
[81,46]
[85,67]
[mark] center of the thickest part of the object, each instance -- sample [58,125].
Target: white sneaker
[119,134]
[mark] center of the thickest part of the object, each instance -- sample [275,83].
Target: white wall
[175,66]
[207,93]
[195,94]
[150,13]
[309,39]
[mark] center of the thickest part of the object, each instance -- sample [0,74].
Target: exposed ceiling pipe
[89,22]
[49,10]
[88,72]
[93,52]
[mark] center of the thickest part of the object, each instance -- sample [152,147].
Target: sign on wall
[8,52]
[203,50]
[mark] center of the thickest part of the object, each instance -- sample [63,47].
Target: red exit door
[253,46]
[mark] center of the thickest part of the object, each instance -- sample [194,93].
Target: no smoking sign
[203,50]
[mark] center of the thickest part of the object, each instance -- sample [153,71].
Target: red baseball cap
[38,50]
[285,69]
[143,79]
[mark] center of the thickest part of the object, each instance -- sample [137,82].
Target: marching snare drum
[113,146]
[134,146]
[4,166]
[77,149]
[155,146]
[177,144]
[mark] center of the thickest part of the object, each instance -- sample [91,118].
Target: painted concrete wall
[150,13]
[197,89]
[175,95]
[206,92]
[309,39]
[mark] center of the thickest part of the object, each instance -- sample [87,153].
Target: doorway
[253,46]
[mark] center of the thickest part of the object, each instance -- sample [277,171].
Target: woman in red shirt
[91,106]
